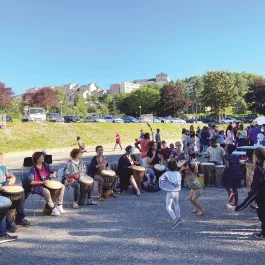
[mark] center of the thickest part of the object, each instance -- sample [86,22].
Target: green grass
[20,136]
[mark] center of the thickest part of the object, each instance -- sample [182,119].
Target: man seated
[215,152]
[6,177]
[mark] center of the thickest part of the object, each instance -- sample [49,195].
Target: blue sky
[54,42]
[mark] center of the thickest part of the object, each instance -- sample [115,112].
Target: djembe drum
[54,187]
[14,194]
[138,174]
[180,164]
[109,176]
[208,172]
[249,174]
[85,184]
[5,204]
[219,173]
[159,171]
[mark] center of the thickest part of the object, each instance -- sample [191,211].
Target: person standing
[118,141]
[158,139]
[205,139]
[144,148]
[215,152]
[170,182]
[141,134]
[229,135]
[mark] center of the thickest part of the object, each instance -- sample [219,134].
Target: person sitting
[73,170]
[153,157]
[39,174]
[7,178]
[215,153]
[164,150]
[124,171]
[81,144]
[177,154]
[99,163]
[4,236]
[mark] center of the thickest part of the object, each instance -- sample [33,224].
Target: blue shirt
[3,174]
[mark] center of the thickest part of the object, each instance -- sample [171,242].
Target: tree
[172,100]
[155,86]
[147,98]
[6,94]
[219,91]
[45,98]
[120,103]
[80,104]
[64,103]
[103,110]
[181,85]
[256,95]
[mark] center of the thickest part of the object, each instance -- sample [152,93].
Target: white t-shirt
[216,154]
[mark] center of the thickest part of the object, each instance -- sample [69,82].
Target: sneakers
[55,212]
[231,197]
[60,209]
[174,226]
[91,202]
[75,205]
[7,238]
[230,207]
[138,193]
[23,222]
[259,236]
[195,210]
[200,213]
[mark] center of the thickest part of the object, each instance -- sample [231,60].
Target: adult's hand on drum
[45,182]
[12,181]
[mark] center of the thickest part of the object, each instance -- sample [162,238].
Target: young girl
[170,182]
[232,174]
[193,184]
[257,191]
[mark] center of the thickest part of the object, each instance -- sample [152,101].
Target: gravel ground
[137,230]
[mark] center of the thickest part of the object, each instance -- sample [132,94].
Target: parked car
[178,120]
[156,120]
[228,120]
[249,119]
[68,119]
[9,119]
[164,120]
[113,119]
[130,119]
[209,120]
[94,119]
[54,117]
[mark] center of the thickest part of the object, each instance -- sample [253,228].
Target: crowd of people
[180,164]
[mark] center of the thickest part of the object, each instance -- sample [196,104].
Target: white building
[123,87]
[161,78]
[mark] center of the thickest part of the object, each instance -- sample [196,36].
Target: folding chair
[48,159]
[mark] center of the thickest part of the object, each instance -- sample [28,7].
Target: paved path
[131,230]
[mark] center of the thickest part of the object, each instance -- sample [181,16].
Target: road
[135,230]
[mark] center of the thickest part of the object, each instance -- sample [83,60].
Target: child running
[232,174]
[257,191]
[193,184]
[170,182]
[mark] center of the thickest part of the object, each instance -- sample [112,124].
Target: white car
[114,119]
[228,120]
[260,121]
[94,119]
[178,120]
[156,120]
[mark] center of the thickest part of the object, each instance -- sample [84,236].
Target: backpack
[152,187]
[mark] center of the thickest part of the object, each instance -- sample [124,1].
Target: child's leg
[194,201]
[169,202]
[236,195]
[176,204]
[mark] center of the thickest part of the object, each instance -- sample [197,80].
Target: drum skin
[14,193]
[86,181]
[159,171]
[54,188]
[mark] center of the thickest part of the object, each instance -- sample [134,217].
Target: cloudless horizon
[50,43]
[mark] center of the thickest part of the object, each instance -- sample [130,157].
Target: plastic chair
[48,159]
[27,163]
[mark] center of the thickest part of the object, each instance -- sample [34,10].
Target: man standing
[141,134]
[118,141]
[158,139]
[6,177]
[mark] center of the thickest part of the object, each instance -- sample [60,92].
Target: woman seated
[39,174]
[99,163]
[73,170]
[153,157]
[124,171]
[177,154]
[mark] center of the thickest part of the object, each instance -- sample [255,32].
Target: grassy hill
[35,136]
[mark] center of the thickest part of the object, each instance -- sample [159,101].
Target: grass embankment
[36,136]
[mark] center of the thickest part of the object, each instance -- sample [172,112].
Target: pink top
[144,147]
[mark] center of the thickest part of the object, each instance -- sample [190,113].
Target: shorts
[196,193]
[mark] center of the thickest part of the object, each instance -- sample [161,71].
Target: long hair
[150,146]
[229,128]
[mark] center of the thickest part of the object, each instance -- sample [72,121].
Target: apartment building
[123,87]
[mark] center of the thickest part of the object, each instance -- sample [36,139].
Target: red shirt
[118,138]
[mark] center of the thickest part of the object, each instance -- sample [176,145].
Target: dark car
[54,117]
[209,120]
[68,119]
[9,119]
[249,119]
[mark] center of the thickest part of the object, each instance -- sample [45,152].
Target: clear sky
[54,42]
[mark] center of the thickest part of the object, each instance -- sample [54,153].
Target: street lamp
[140,107]
[61,108]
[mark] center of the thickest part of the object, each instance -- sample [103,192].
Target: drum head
[138,168]
[86,180]
[220,166]
[159,167]
[4,202]
[12,189]
[53,185]
[108,172]
[207,164]
[180,164]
